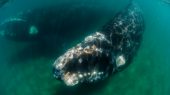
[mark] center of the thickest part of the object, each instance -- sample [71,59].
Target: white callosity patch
[80,60]
[80,76]
[97,35]
[95,76]
[33,30]
[70,79]
[120,61]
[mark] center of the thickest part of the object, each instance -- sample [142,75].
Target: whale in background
[40,23]
[37,24]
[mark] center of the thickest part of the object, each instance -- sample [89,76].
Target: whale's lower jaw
[102,53]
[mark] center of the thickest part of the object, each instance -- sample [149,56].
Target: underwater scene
[84,47]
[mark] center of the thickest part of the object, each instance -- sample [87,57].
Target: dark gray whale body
[104,52]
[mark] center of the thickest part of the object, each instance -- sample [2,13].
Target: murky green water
[27,69]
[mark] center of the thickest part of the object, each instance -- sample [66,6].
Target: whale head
[89,61]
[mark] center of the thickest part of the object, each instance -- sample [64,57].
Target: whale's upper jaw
[89,61]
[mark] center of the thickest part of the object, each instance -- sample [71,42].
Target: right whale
[68,20]
[103,53]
